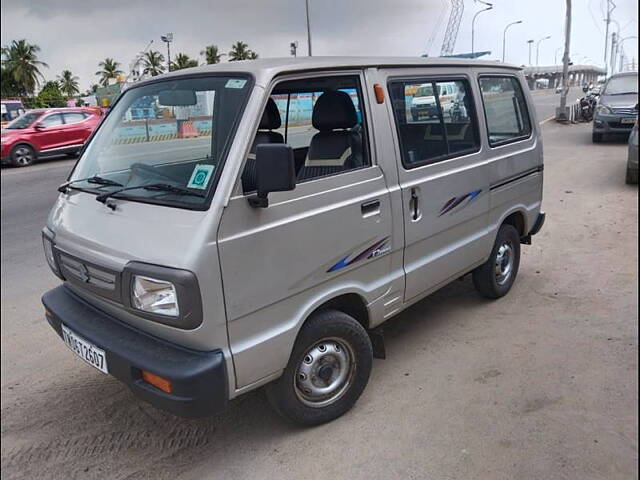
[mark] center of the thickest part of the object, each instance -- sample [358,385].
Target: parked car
[46,132]
[632,158]
[617,108]
[10,110]
[198,267]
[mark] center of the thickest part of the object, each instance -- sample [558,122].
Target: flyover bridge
[578,74]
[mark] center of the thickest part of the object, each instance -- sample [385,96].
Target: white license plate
[87,351]
[628,120]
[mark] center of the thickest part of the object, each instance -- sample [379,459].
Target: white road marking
[547,120]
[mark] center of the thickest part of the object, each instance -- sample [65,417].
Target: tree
[50,96]
[182,60]
[241,51]
[153,63]
[20,62]
[109,70]
[212,54]
[68,83]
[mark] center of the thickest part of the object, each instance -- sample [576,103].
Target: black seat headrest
[271,117]
[334,110]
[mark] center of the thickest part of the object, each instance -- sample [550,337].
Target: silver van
[253,223]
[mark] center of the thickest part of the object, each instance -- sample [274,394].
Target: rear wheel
[328,370]
[597,137]
[22,156]
[631,177]
[495,277]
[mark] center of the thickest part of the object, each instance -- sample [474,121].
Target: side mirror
[275,172]
[39,126]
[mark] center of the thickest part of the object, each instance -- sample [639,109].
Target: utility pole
[308,29]
[614,41]
[610,7]
[562,112]
[168,38]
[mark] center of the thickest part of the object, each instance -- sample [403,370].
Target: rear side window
[505,110]
[74,117]
[432,128]
[51,120]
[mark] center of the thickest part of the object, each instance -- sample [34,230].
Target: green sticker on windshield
[200,176]
[235,83]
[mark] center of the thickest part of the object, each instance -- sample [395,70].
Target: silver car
[256,222]
[632,159]
[617,108]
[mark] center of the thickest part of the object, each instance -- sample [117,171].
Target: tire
[597,137]
[632,177]
[336,348]
[22,155]
[494,278]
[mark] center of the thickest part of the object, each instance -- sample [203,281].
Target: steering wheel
[141,169]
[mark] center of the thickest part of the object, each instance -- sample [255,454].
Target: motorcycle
[588,103]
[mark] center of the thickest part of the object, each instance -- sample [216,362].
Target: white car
[423,103]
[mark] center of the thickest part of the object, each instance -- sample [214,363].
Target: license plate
[628,120]
[87,351]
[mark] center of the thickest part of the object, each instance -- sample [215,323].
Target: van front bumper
[199,379]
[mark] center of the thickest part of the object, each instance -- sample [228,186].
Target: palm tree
[241,51]
[212,54]
[20,61]
[109,70]
[153,63]
[182,60]
[68,83]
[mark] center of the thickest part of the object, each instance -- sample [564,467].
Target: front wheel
[494,278]
[327,371]
[22,156]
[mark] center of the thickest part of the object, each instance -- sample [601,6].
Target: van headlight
[47,244]
[154,296]
[166,295]
[603,110]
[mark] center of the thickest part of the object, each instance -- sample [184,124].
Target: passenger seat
[338,144]
[270,121]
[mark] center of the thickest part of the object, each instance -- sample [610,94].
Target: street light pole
[555,56]
[308,28]
[168,38]
[530,42]
[473,23]
[504,37]
[620,48]
[538,48]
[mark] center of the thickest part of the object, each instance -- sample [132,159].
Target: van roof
[265,68]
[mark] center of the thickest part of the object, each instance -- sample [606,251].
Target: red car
[47,132]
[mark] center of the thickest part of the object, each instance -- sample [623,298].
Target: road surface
[540,384]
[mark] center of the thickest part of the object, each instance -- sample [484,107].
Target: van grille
[97,279]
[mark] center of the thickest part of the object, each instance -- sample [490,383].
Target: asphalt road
[540,384]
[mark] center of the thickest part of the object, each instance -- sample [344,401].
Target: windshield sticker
[200,176]
[235,83]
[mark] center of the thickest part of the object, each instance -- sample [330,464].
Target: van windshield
[174,132]
[623,85]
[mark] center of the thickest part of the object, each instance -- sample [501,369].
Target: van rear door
[443,180]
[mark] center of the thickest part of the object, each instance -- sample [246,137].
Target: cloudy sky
[77,34]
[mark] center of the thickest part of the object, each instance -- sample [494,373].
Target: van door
[328,237]
[444,185]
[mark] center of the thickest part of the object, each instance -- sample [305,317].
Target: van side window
[432,128]
[323,121]
[505,109]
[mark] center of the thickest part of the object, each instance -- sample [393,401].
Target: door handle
[370,208]
[414,205]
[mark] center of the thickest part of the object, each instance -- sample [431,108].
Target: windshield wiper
[94,179]
[160,187]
